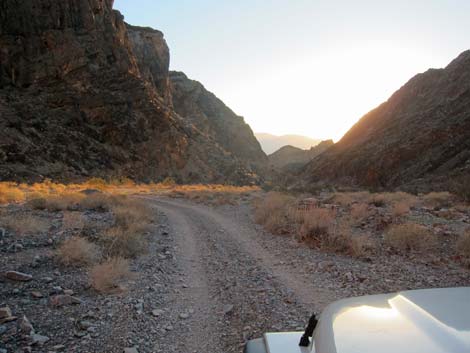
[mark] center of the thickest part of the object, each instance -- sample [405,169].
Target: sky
[308,67]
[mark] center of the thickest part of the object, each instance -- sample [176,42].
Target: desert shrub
[10,192]
[66,201]
[36,201]
[124,242]
[410,236]
[401,208]
[463,247]
[24,224]
[107,276]
[99,202]
[168,182]
[78,251]
[378,200]
[96,183]
[438,199]
[347,198]
[360,211]
[132,213]
[73,220]
[361,245]
[315,225]
[273,211]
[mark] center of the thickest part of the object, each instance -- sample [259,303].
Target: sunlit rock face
[84,94]
[419,138]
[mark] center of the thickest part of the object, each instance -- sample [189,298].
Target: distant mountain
[271,143]
[291,159]
[419,137]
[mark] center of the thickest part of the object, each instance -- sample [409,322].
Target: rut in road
[236,288]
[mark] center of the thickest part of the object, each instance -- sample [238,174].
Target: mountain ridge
[271,143]
[419,136]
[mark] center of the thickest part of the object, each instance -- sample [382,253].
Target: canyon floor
[210,280]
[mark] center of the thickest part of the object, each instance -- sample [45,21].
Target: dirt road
[236,288]
[210,280]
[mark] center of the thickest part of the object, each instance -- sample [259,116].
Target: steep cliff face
[153,58]
[84,94]
[215,120]
[421,133]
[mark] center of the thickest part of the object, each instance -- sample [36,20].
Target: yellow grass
[273,212]
[438,199]
[24,224]
[315,224]
[78,251]
[410,236]
[10,192]
[59,197]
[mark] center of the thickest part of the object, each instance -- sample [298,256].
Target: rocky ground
[211,279]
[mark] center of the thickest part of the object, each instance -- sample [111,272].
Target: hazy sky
[310,67]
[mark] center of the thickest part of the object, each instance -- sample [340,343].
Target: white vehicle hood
[422,321]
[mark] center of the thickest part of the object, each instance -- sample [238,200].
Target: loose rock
[18,276]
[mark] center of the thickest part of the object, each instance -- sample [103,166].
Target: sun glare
[324,95]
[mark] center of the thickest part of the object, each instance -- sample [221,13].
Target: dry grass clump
[360,211]
[401,208]
[126,238]
[66,201]
[274,211]
[410,236]
[346,199]
[73,221]
[107,276]
[10,192]
[463,247]
[315,225]
[78,251]
[125,242]
[24,224]
[36,201]
[361,245]
[208,194]
[438,199]
[99,202]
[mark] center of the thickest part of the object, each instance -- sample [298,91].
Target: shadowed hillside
[84,94]
[421,133]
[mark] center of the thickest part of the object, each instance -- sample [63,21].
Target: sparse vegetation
[438,199]
[360,224]
[274,212]
[24,224]
[126,242]
[410,236]
[463,247]
[360,211]
[315,226]
[78,251]
[73,221]
[109,275]
[401,208]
